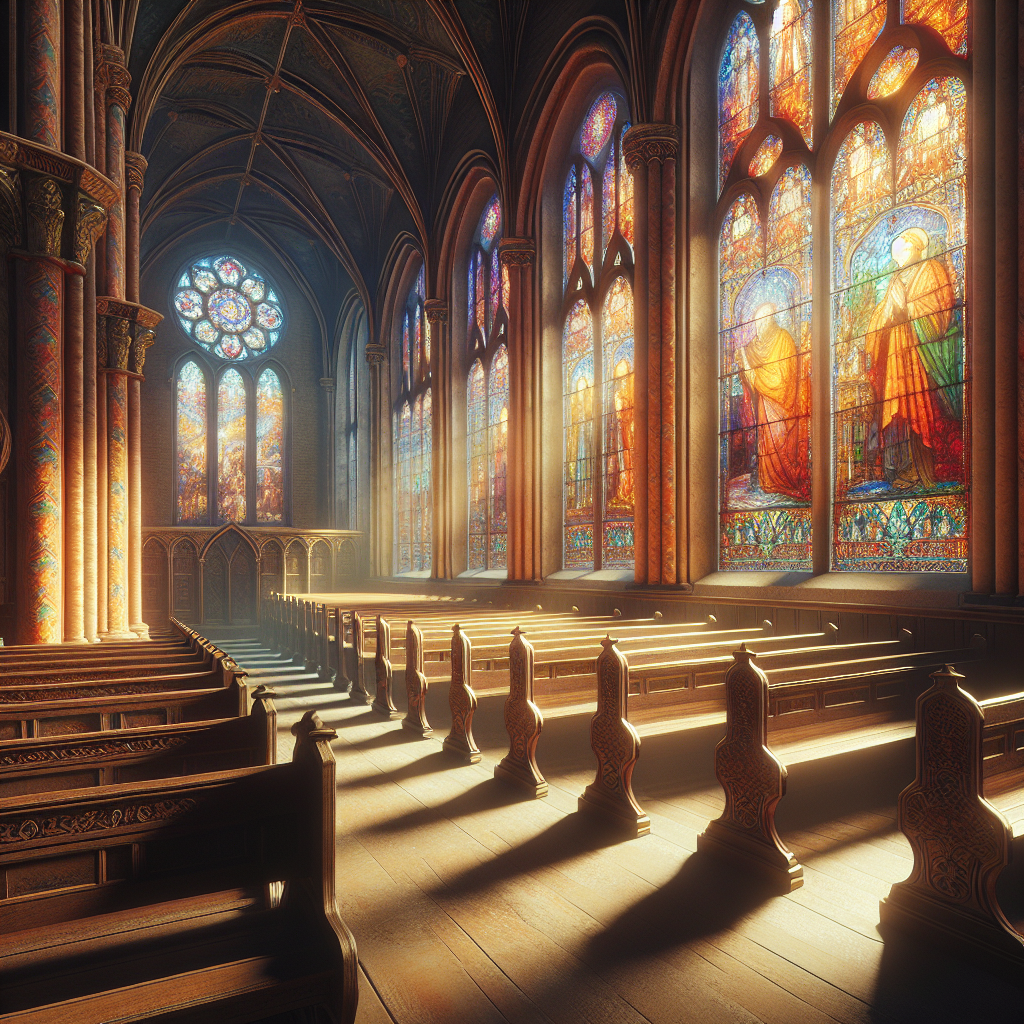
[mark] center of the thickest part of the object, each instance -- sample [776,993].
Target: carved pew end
[523,721]
[462,701]
[777,867]
[415,683]
[597,803]
[518,775]
[382,702]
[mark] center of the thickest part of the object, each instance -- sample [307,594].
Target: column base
[140,629]
[106,637]
[76,640]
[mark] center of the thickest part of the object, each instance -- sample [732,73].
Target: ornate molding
[436,311]
[10,207]
[616,747]
[125,814]
[135,167]
[90,219]
[44,202]
[25,155]
[516,252]
[48,756]
[754,780]
[327,383]
[523,721]
[462,701]
[645,143]
[113,77]
[144,339]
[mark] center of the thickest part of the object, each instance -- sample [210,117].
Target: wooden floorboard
[471,904]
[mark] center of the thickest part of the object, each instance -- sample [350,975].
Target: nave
[470,904]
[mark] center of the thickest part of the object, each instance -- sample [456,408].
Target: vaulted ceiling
[331,130]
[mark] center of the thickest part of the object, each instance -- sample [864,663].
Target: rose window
[228,308]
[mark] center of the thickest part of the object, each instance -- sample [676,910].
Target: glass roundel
[228,308]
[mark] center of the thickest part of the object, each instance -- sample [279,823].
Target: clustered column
[436,311]
[651,151]
[380,480]
[524,538]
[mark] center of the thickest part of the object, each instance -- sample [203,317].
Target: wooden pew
[50,763]
[960,815]
[160,898]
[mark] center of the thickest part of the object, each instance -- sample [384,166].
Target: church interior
[511,511]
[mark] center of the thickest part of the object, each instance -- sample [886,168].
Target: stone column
[436,311]
[651,151]
[118,100]
[524,435]
[42,78]
[380,482]
[135,166]
[327,385]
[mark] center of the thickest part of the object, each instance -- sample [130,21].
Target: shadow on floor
[705,897]
[437,761]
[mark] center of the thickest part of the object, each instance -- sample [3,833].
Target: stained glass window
[228,308]
[192,487]
[231,475]
[412,440]
[487,385]
[790,52]
[738,78]
[597,348]
[897,259]
[269,443]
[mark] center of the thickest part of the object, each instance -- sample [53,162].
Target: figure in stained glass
[269,444]
[790,51]
[855,26]
[737,91]
[231,475]
[191,455]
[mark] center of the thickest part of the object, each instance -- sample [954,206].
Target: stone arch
[321,578]
[296,567]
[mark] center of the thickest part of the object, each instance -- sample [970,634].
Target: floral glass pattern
[597,128]
[227,308]
[269,444]
[231,476]
[191,445]
[895,69]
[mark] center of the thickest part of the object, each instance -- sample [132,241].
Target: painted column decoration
[651,151]
[118,100]
[436,312]
[524,538]
[42,72]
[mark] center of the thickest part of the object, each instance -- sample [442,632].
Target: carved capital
[376,354]
[119,343]
[45,216]
[90,218]
[436,311]
[135,167]
[327,383]
[112,74]
[144,339]
[645,143]
[516,252]
[10,207]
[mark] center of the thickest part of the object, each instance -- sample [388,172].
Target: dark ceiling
[331,130]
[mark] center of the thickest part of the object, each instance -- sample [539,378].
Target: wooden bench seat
[961,815]
[51,763]
[160,900]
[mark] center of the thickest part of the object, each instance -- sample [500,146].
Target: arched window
[246,483]
[413,431]
[597,345]
[487,319]
[887,147]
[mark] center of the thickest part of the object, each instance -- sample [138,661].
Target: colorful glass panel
[403,477]
[425,490]
[481,294]
[618,427]
[228,309]
[497,457]
[948,17]
[269,448]
[578,413]
[855,26]
[490,222]
[765,338]
[738,79]
[767,153]
[790,52]
[476,436]
[191,443]
[608,203]
[422,363]
[587,217]
[894,70]
[406,353]
[597,128]
[495,282]
[625,193]
[231,447]
[898,350]
[569,224]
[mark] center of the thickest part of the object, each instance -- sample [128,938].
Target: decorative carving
[436,311]
[645,143]
[516,252]
[523,721]
[62,691]
[101,341]
[135,167]
[90,221]
[327,383]
[960,842]
[119,343]
[415,682]
[376,354]
[359,689]
[45,216]
[115,77]
[382,702]
[754,780]
[143,341]
[19,829]
[616,746]
[5,442]
[47,756]
[461,699]
[10,207]
[8,149]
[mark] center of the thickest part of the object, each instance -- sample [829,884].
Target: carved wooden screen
[296,564]
[155,586]
[185,582]
[597,345]
[271,569]
[320,568]
[884,153]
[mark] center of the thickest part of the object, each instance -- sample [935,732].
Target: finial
[608,642]
[517,632]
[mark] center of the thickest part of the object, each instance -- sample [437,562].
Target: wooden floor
[471,905]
